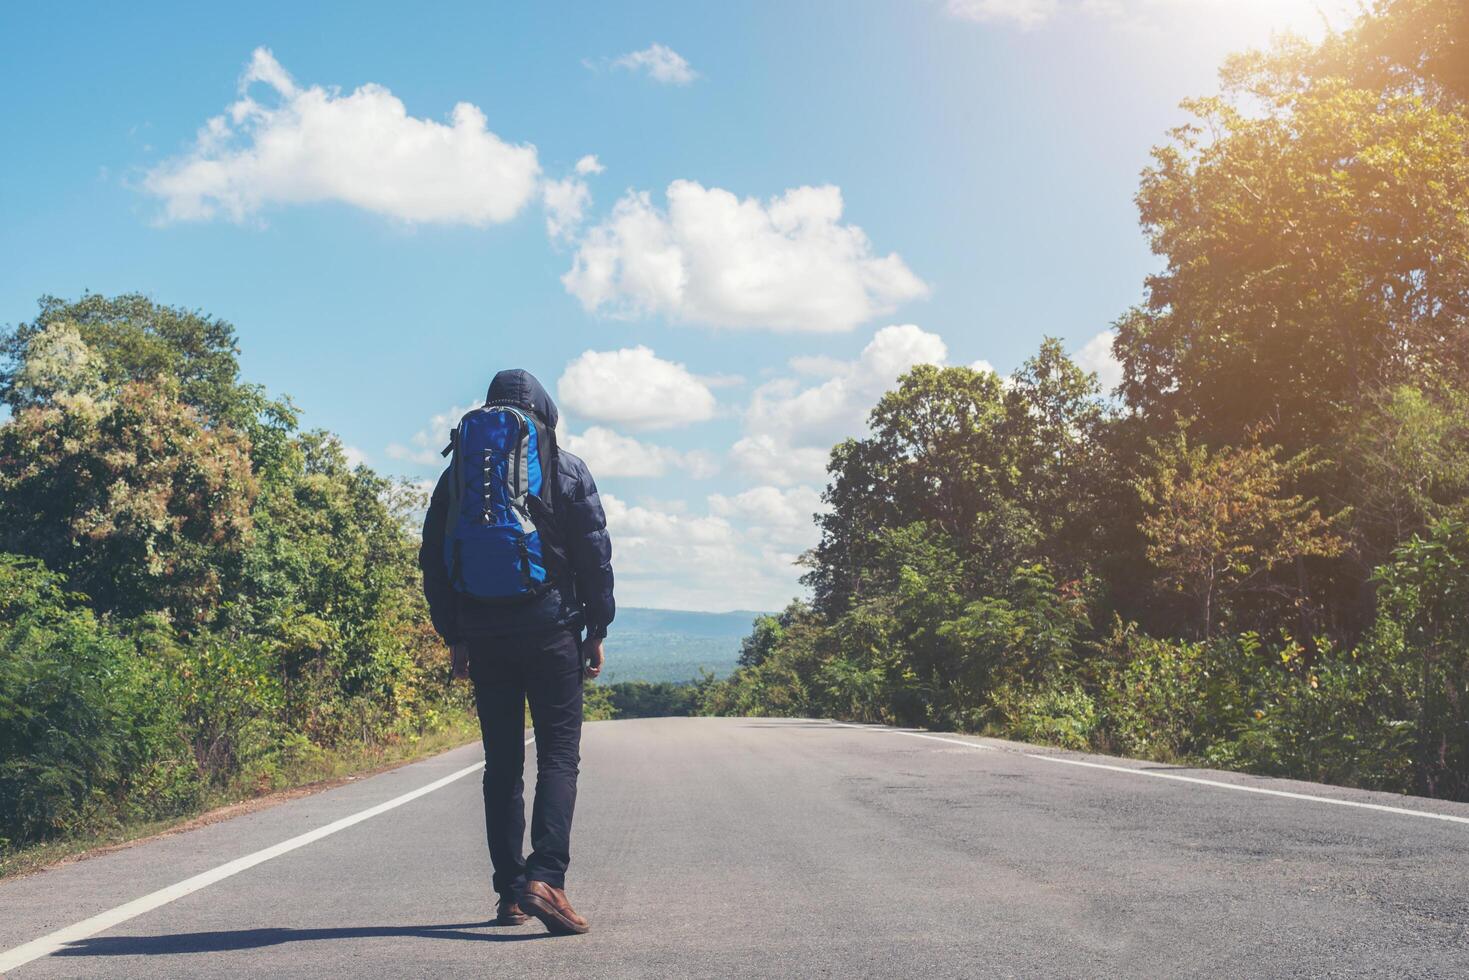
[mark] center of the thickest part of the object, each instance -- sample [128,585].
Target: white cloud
[823,414]
[764,457]
[1096,355]
[983,366]
[784,514]
[313,144]
[1025,13]
[710,257]
[565,202]
[423,448]
[662,63]
[818,365]
[1255,18]
[611,454]
[355,457]
[739,554]
[635,388]
[791,426]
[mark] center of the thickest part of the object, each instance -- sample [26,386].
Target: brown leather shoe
[551,907]
[509,914]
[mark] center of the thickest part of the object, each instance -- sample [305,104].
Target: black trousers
[546,670]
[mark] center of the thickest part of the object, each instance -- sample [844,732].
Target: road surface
[767,848]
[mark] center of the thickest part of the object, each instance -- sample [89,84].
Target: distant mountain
[635,620]
[672,645]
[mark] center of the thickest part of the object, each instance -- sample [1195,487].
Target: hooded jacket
[583,592]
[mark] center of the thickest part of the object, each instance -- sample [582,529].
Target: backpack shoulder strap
[451,517]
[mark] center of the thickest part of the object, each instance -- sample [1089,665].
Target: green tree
[1315,250]
[1220,523]
[130,338]
[1408,456]
[141,503]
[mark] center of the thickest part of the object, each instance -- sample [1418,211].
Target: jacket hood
[521,389]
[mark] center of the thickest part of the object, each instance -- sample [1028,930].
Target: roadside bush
[852,692]
[596,703]
[230,699]
[1423,631]
[1334,717]
[1057,713]
[89,732]
[1174,699]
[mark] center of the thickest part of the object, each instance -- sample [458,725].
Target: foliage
[1423,630]
[1311,250]
[90,730]
[641,699]
[1219,524]
[1066,716]
[1409,462]
[139,502]
[1290,457]
[1172,699]
[597,703]
[210,601]
[1335,717]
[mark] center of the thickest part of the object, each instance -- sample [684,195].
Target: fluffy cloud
[764,457]
[633,387]
[1096,355]
[791,426]
[314,144]
[425,445]
[710,257]
[565,202]
[660,62]
[739,554]
[784,515]
[823,414]
[612,454]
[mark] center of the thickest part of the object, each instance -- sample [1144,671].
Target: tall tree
[1314,221]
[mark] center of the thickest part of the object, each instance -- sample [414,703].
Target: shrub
[89,734]
[1173,699]
[1057,713]
[1423,632]
[1332,718]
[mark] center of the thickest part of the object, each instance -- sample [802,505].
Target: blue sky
[727,226]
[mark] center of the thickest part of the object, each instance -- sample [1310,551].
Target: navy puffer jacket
[584,595]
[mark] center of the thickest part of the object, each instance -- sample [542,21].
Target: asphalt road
[745,847]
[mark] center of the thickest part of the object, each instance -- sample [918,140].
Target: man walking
[516,563]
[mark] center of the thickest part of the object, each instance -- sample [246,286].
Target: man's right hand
[459,652]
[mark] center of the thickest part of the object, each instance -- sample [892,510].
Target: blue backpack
[497,533]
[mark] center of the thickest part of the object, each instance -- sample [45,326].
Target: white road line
[1381,807]
[48,944]
[1254,789]
[935,738]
